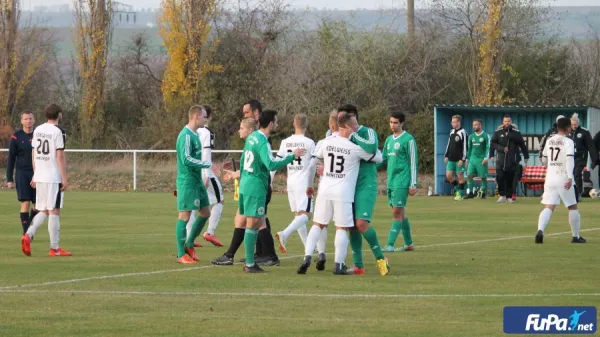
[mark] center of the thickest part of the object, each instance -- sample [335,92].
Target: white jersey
[47,139]
[298,171]
[341,161]
[560,151]
[207,139]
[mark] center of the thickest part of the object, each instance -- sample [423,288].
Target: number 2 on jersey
[248,160]
[554,157]
[43,147]
[336,161]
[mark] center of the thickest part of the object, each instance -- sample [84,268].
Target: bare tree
[92,41]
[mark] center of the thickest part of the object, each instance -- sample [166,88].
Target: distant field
[472,259]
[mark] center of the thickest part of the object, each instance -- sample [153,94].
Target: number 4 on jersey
[297,160]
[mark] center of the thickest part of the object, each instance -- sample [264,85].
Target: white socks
[297,224]
[37,221]
[322,242]
[312,238]
[303,233]
[215,217]
[341,245]
[544,218]
[53,231]
[188,226]
[575,222]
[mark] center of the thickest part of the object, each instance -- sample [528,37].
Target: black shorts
[23,185]
[269,192]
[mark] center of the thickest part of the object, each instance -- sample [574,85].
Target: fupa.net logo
[550,320]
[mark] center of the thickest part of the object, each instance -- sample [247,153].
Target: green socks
[371,236]
[180,237]
[406,232]
[196,230]
[394,232]
[484,185]
[356,244]
[250,237]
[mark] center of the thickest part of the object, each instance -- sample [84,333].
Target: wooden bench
[533,178]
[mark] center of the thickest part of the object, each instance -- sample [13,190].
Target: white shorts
[554,194]
[215,191]
[340,211]
[48,196]
[300,202]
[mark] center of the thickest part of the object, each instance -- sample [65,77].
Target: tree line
[462,52]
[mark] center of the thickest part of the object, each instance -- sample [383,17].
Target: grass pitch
[472,259]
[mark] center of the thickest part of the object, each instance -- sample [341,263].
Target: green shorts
[364,204]
[452,166]
[397,197]
[252,206]
[476,168]
[191,197]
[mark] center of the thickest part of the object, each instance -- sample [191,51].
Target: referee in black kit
[19,156]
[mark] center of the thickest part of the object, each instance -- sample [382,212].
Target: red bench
[533,178]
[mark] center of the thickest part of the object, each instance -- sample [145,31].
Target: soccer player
[337,187]
[211,183]
[19,155]
[401,157]
[365,196]
[583,144]
[265,246]
[247,126]
[300,176]
[191,193]
[560,151]
[257,164]
[478,152]
[456,154]
[49,179]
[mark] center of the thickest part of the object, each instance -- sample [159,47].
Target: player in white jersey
[341,161]
[300,177]
[560,151]
[49,179]
[212,184]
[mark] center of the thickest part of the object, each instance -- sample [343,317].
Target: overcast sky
[330,4]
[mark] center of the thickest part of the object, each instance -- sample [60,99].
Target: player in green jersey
[257,163]
[365,197]
[478,151]
[401,156]
[191,193]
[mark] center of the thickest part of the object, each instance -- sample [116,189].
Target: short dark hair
[478,120]
[26,112]
[52,111]
[255,105]
[266,117]
[507,116]
[399,116]
[208,110]
[344,120]
[349,109]
[563,124]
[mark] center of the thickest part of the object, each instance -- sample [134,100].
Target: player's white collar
[400,135]
[479,134]
[262,133]
[191,129]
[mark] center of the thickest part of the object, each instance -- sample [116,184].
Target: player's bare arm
[62,166]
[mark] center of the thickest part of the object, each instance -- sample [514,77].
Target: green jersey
[189,158]
[478,146]
[366,138]
[400,155]
[257,163]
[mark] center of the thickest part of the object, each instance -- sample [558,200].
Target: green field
[472,259]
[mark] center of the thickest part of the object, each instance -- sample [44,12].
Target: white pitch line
[166,271]
[234,294]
